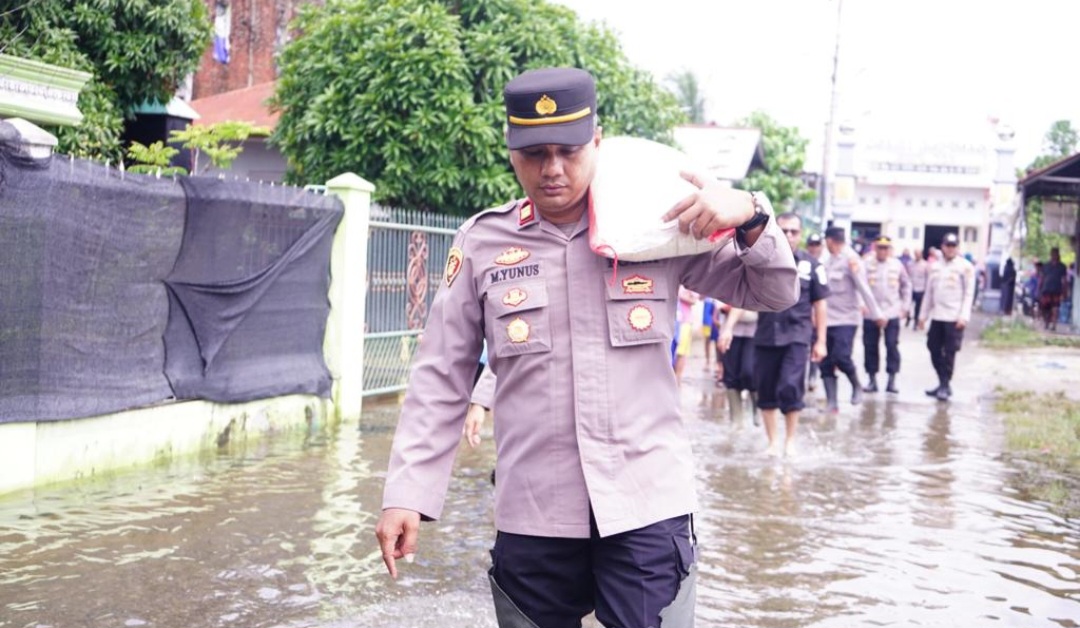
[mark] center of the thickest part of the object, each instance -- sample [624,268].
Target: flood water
[901,512]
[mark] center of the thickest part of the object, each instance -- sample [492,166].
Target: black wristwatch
[760,217]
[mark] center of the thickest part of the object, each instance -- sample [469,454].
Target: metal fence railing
[407,252]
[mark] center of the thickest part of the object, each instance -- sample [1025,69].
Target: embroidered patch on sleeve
[453,265]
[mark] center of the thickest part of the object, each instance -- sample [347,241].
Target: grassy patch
[1018,333]
[1045,429]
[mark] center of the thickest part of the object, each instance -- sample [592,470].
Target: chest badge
[640,318]
[511,256]
[453,264]
[636,284]
[518,331]
[515,297]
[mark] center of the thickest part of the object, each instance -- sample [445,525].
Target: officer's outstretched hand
[397,531]
[818,351]
[961,323]
[921,325]
[714,207]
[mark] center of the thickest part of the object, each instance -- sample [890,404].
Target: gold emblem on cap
[518,330]
[546,106]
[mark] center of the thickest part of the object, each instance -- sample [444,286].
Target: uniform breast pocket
[639,312]
[519,319]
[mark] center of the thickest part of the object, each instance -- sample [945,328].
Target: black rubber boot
[944,393]
[934,391]
[831,405]
[871,384]
[891,386]
[856,390]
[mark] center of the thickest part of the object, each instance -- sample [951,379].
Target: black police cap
[835,233]
[550,106]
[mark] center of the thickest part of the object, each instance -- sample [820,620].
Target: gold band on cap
[570,117]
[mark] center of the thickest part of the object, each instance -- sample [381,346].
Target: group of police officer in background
[877,292]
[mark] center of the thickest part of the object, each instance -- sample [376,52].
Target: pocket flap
[510,298]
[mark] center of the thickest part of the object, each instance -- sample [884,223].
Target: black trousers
[739,365]
[627,578]
[944,340]
[779,375]
[838,343]
[916,305]
[871,338]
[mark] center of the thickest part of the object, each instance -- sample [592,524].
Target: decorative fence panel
[407,252]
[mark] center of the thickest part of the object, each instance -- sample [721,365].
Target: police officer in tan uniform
[595,470]
[847,284]
[950,292]
[891,286]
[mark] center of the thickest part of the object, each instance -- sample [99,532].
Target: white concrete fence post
[343,346]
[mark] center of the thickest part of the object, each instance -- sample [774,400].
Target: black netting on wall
[248,296]
[122,291]
[82,305]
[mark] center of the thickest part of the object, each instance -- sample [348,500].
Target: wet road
[901,512]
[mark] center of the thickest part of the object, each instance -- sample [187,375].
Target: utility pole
[826,165]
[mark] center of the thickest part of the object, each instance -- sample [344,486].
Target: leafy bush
[138,50]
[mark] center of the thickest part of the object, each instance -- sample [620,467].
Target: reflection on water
[898,513]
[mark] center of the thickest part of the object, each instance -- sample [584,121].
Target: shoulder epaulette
[491,211]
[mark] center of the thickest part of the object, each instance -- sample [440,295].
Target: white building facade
[917,190]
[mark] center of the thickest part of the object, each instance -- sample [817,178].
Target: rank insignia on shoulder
[453,264]
[515,297]
[518,331]
[525,213]
[511,256]
[636,284]
[640,318]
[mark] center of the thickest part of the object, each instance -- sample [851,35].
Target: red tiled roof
[243,105]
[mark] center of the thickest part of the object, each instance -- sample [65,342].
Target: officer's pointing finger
[387,543]
[680,207]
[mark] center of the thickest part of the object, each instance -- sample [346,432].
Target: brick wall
[259,31]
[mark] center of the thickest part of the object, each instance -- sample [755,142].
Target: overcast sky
[920,68]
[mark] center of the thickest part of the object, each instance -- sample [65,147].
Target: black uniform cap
[835,234]
[550,106]
[950,238]
[813,239]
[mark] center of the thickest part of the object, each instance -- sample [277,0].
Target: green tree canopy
[408,93]
[785,154]
[138,50]
[1060,141]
